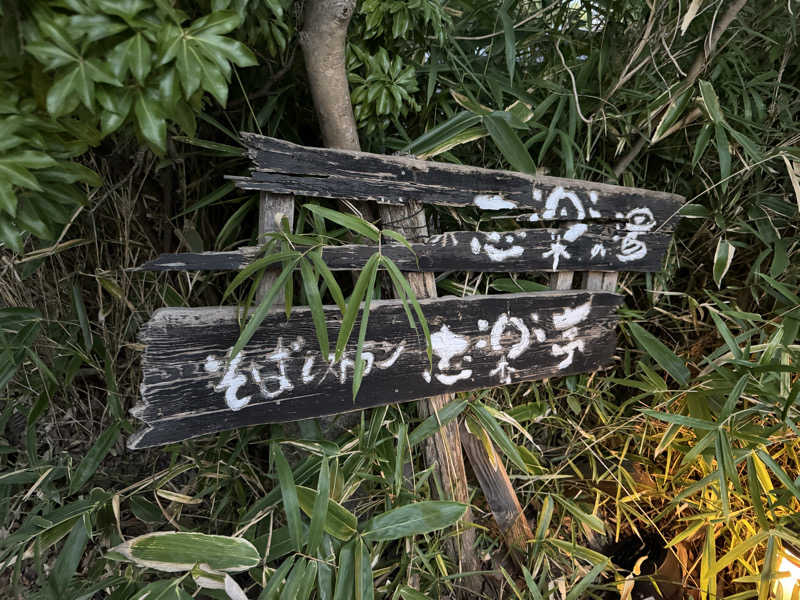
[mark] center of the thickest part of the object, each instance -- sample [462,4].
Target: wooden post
[272,208]
[444,448]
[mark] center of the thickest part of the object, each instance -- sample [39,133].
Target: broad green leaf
[412,519]
[681,420]
[58,97]
[660,353]
[363,572]
[711,101]
[140,57]
[345,575]
[723,152]
[189,70]
[723,257]
[291,505]
[232,50]
[339,522]
[179,551]
[219,22]
[509,144]
[18,175]
[152,124]
[51,55]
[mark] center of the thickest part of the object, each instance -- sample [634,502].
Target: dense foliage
[120,120]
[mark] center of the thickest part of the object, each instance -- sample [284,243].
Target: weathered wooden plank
[481,341]
[578,247]
[286,168]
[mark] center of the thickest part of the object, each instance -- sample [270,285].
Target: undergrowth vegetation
[119,121]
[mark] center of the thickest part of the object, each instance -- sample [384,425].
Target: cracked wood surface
[191,389]
[597,247]
[286,168]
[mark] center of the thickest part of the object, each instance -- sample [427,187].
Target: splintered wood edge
[253,139]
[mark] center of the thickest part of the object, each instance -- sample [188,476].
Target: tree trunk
[323,39]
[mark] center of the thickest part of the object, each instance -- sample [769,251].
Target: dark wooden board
[577,248]
[478,342]
[286,168]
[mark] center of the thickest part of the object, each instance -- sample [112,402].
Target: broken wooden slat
[577,247]
[286,168]
[189,389]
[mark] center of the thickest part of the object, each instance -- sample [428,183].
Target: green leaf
[315,304]
[219,22]
[213,80]
[498,435]
[363,571]
[319,512]
[231,49]
[18,175]
[660,353]
[508,142]
[140,57]
[254,322]
[412,519]
[180,551]
[577,591]
[351,222]
[68,559]
[339,522]
[724,153]
[61,90]
[83,318]
[351,311]
[333,286]
[779,472]
[345,576]
[152,124]
[291,505]
[711,101]
[592,521]
[8,199]
[189,70]
[437,420]
[89,464]
[723,257]
[510,42]
[358,363]
[50,55]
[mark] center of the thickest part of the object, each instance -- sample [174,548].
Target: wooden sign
[192,386]
[621,246]
[285,168]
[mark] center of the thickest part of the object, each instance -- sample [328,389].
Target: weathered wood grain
[481,341]
[579,247]
[286,168]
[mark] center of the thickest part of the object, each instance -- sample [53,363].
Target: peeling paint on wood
[192,387]
[286,168]
[576,247]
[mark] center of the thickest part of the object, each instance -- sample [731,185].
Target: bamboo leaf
[179,551]
[660,353]
[291,504]
[315,304]
[412,519]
